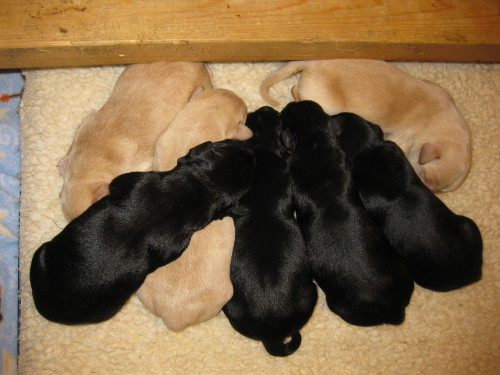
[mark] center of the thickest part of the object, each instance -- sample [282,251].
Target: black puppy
[443,250]
[365,281]
[274,295]
[90,269]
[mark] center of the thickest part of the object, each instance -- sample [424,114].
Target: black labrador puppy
[442,249]
[274,294]
[365,281]
[87,272]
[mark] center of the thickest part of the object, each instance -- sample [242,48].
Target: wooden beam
[52,33]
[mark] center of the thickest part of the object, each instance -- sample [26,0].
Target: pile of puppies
[419,116]
[314,199]
[89,270]
[155,114]
[366,228]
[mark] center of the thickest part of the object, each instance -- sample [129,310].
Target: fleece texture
[452,333]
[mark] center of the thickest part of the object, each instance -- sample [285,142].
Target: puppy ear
[288,139]
[100,191]
[200,149]
[240,132]
[429,152]
[238,211]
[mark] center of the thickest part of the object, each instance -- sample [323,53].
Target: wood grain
[50,33]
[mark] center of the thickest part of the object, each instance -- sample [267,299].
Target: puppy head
[230,112]
[72,284]
[265,124]
[47,288]
[227,165]
[301,115]
[355,133]
[300,121]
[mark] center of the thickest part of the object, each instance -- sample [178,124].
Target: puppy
[120,137]
[443,250]
[194,288]
[88,271]
[418,115]
[364,280]
[210,115]
[274,295]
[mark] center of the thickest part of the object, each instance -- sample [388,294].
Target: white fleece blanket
[453,333]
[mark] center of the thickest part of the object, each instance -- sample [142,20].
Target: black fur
[89,270]
[443,250]
[274,295]
[365,281]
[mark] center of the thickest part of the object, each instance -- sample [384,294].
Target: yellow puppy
[195,287]
[120,137]
[418,115]
[210,115]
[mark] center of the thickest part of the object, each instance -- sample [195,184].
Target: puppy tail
[284,348]
[282,73]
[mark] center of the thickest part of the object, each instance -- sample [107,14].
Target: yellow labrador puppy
[121,136]
[195,287]
[420,116]
[210,115]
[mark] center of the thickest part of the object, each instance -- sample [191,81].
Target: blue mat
[11,85]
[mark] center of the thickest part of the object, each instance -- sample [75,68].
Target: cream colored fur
[120,137]
[211,115]
[420,116]
[193,288]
